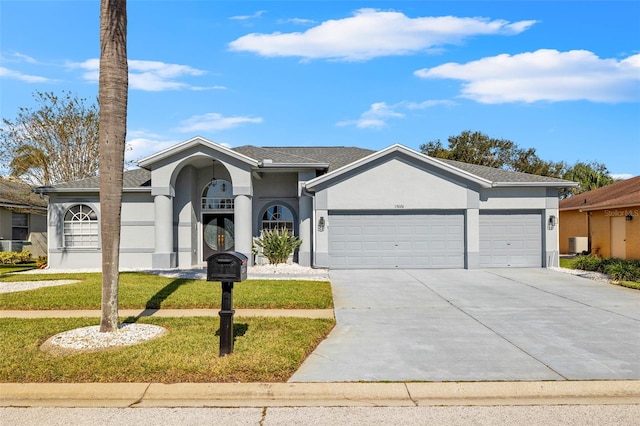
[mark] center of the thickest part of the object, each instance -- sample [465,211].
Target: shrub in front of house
[616,269]
[623,271]
[277,244]
[15,258]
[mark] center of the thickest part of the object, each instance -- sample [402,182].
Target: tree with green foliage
[474,148]
[57,141]
[478,148]
[589,175]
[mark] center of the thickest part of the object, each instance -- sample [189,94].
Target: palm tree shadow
[154,303]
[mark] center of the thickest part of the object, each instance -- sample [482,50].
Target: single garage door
[396,240]
[510,239]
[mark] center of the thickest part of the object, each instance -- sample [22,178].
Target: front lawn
[140,291]
[266,350]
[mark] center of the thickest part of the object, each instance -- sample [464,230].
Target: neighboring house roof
[14,194]
[623,193]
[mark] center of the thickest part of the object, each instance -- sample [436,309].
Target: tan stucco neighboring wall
[574,223]
[571,223]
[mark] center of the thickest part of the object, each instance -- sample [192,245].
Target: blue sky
[562,77]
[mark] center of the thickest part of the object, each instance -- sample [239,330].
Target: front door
[217,234]
[618,237]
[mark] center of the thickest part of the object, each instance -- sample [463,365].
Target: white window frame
[275,221]
[81,227]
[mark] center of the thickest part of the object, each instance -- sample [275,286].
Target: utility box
[228,266]
[578,245]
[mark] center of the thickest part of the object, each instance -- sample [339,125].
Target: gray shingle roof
[500,175]
[334,156]
[137,178]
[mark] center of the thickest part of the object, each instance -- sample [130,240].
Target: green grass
[567,263]
[266,350]
[139,291]
[7,269]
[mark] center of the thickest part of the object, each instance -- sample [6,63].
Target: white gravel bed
[91,339]
[596,276]
[10,287]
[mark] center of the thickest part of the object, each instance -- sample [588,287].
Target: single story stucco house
[351,207]
[605,220]
[23,218]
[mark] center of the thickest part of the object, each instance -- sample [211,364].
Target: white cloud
[377,115]
[17,75]
[151,76]
[24,58]
[544,75]
[298,21]
[622,176]
[372,33]
[214,121]
[141,145]
[247,17]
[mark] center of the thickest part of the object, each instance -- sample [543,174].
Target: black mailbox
[228,266]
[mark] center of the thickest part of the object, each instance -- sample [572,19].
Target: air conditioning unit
[578,244]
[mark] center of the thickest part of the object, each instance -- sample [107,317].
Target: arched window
[218,195]
[80,227]
[278,217]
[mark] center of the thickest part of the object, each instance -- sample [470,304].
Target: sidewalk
[164,313]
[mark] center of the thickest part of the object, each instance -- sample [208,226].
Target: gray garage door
[510,239]
[360,240]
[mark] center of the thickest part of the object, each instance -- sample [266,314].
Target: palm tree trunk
[112,98]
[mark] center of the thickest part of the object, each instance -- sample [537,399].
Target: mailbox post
[227,267]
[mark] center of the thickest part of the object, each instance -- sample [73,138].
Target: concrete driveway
[468,325]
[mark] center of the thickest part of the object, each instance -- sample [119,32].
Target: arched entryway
[218,227]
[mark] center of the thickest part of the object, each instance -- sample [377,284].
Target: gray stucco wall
[401,184]
[137,238]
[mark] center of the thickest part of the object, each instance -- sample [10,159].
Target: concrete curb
[317,394]
[165,313]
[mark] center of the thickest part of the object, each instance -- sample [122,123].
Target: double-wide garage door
[510,239]
[396,240]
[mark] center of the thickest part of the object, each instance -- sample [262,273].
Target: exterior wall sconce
[553,221]
[629,218]
[321,224]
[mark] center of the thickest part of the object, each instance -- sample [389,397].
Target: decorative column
[305,207]
[243,225]
[163,257]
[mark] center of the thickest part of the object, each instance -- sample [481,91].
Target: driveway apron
[470,325]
